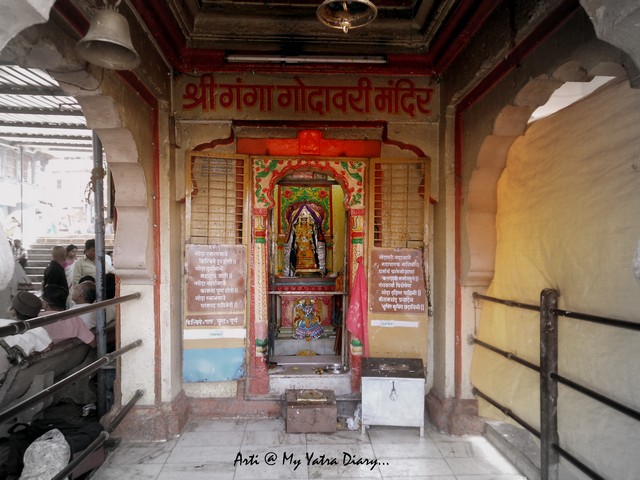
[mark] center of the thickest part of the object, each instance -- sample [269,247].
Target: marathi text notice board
[397,304]
[214,331]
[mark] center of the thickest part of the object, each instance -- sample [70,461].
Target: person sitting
[55,274]
[306,320]
[86,265]
[85,294]
[54,299]
[15,348]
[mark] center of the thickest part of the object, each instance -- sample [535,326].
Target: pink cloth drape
[357,314]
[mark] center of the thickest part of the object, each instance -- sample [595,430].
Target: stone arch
[48,48]
[510,123]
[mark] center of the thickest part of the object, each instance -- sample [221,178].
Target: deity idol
[306,320]
[305,247]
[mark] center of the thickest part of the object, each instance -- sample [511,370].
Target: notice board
[214,328]
[398,303]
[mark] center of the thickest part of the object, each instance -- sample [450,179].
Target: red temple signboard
[267,96]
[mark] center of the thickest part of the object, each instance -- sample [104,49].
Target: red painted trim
[214,143]
[383,125]
[465,21]
[549,25]
[72,15]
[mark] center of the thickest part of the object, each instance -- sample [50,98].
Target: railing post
[97,175]
[548,385]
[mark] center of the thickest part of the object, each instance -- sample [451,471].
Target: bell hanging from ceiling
[346,14]
[108,43]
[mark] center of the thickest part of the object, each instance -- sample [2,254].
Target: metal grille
[399,205]
[36,113]
[217,200]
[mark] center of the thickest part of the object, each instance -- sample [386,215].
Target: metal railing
[20,327]
[550,448]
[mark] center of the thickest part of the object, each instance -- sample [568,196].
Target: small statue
[306,321]
[305,249]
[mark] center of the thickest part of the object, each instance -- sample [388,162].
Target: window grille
[216,200]
[399,204]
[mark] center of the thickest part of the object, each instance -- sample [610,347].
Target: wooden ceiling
[419,35]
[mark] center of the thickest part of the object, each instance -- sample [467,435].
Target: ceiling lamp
[346,14]
[108,44]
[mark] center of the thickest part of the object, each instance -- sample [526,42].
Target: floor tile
[379,434]
[196,471]
[208,454]
[468,447]
[276,438]
[491,477]
[410,467]
[199,424]
[428,477]
[273,463]
[214,438]
[424,449]
[249,449]
[342,461]
[128,472]
[141,453]
[480,466]
[273,424]
[341,436]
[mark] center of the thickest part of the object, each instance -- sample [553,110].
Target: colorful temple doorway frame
[266,172]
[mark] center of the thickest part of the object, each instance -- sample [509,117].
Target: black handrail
[83,372]
[509,413]
[577,463]
[612,322]
[22,326]
[550,378]
[508,303]
[598,396]
[565,381]
[103,437]
[509,355]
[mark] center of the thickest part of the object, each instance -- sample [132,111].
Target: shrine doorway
[308,251]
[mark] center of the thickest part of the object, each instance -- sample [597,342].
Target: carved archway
[47,48]
[510,123]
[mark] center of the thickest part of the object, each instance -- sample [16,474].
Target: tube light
[309,59]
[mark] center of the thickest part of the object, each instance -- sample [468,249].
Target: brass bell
[108,44]
[346,14]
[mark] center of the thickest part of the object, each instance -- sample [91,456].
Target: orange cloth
[357,314]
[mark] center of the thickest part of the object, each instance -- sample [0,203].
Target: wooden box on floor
[311,411]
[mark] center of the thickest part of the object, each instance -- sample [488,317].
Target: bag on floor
[46,456]
[21,435]
[78,436]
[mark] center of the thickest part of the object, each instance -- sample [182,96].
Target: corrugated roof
[35,113]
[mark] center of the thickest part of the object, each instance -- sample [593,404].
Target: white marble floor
[261,449]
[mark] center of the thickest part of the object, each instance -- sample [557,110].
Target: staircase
[40,254]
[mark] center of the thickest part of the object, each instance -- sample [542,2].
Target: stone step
[291,346]
[288,377]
